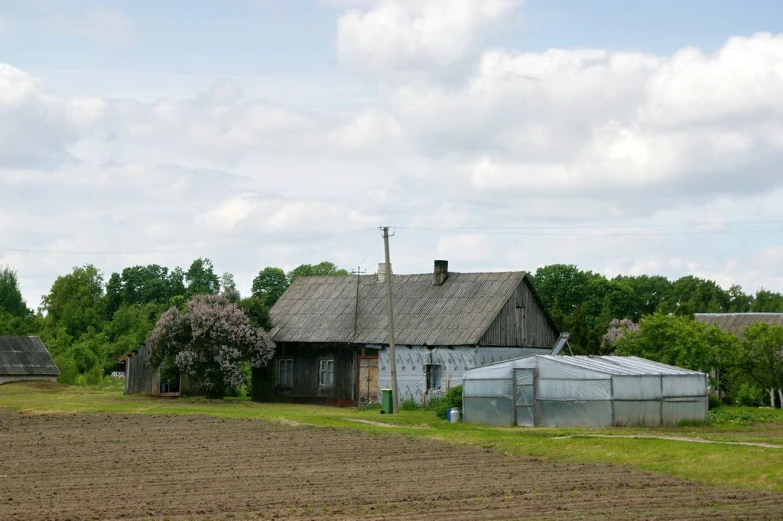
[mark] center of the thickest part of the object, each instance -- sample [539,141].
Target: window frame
[326,372]
[289,372]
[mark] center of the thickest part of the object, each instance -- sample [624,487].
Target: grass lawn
[718,464]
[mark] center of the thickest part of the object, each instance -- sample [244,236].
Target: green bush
[409,405]
[434,403]
[452,399]
[745,415]
[68,370]
[749,395]
[713,402]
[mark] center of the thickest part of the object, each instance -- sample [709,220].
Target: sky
[623,137]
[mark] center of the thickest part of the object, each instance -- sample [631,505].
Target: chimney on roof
[382,271]
[440,273]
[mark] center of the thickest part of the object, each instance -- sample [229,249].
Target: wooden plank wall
[522,322]
[305,386]
[140,378]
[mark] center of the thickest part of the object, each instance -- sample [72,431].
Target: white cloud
[100,25]
[406,35]
[522,140]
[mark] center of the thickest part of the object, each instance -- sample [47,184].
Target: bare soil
[143,467]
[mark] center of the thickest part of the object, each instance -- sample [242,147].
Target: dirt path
[142,467]
[672,438]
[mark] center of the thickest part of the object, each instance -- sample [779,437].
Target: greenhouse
[583,391]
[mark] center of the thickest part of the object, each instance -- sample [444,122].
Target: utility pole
[359,273]
[389,302]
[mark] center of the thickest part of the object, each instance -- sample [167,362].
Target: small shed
[583,391]
[141,378]
[25,358]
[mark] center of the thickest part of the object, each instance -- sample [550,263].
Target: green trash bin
[387,403]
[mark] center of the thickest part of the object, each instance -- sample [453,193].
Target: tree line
[89,323]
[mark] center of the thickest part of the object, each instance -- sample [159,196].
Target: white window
[326,373]
[285,372]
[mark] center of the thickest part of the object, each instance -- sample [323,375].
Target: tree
[762,357]
[201,278]
[679,341]
[76,302]
[209,343]
[228,288]
[269,284]
[322,268]
[11,300]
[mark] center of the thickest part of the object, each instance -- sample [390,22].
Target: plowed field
[139,467]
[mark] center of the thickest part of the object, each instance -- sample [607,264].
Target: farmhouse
[25,358]
[583,391]
[333,342]
[737,322]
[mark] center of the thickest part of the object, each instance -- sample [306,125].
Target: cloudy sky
[624,137]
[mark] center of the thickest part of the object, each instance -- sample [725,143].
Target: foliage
[11,301]
[228,288]
[140,285]
[322,268]
[269,284]
[762,355]
[617,329]
[749,395]
[209,342]
[678,340]
[256,311]
[713,402]
[744,415]
[201,278]
[409,405]
[452,398]
[75,302]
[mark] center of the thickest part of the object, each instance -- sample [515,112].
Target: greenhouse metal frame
[583,391]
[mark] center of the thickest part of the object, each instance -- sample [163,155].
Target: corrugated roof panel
[737,322]
[25,355]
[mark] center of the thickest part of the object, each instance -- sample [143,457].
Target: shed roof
[25,355]
[458,312]
[609,365]
[737,322]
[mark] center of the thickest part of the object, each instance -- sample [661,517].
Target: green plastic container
[387,403]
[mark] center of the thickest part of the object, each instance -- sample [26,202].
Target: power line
[512,231]
[584,226]
[186,250]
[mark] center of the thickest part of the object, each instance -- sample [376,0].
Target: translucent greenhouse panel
[558,369]
[637,413]
[636,387]
[547,389]
[489,411]
[523,395]
[497,371]
[526,417]
[523,377]
[693,409]
[487,388]
[574,414]
[685,385]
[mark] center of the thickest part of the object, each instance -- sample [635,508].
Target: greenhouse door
[524,398]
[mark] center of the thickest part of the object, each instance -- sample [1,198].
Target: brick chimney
[382,271]
[440,273]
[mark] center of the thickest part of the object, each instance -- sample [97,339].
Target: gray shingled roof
[322,308]
[737,322]
[25,355]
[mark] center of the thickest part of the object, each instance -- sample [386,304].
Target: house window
[285,372]
[433,376]
[326,373]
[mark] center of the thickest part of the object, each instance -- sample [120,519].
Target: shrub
[434,403]
[409,405]
[749,395]
[452,399]
[713,402]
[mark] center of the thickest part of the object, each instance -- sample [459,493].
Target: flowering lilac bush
[210,342]
[617,329]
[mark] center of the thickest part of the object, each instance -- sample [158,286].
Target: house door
[524,398]
[368,379]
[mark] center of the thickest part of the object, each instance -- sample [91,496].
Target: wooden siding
[305,386]
[522,322]
[140,378]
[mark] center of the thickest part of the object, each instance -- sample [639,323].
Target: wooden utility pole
[389,302]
